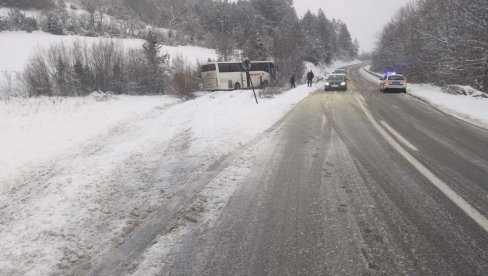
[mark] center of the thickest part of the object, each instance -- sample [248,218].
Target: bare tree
[440,41]
[8,84]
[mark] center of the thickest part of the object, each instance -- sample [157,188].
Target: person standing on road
[292,81]
[310,77]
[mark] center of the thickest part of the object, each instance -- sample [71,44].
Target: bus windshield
[208,67]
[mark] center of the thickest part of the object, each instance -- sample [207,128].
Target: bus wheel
[237,86]
[265,84]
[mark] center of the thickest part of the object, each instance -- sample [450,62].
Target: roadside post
[246,65]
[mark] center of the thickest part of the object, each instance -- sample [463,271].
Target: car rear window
[396,77]
[335,77]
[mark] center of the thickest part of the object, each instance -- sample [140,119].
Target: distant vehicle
[393,81]
[232,76]
[340,71]
[336,82]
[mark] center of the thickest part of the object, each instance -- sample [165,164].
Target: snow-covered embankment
[468,107]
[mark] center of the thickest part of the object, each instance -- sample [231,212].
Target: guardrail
[371,72]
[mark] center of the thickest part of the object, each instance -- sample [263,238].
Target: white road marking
[472,212]
[399,136]
[361,98]
[321,134]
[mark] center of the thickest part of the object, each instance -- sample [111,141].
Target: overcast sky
[364,18]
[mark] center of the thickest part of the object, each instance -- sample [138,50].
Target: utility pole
[246,64]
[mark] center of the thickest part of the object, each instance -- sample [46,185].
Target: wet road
[358,183]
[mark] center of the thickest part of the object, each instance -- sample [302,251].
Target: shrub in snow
[79,69]
[463,90]
[101,96]
[184,79]
[18,21]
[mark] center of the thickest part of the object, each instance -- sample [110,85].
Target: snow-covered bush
[185,79]
[79,69]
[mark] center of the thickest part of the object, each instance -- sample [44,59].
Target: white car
[393,82]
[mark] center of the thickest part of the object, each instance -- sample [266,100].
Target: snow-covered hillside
[17,47]
[30,13]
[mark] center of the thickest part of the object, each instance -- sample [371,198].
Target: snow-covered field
[469,107]
[38,129]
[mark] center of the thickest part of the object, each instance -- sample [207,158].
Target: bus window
[236,67]
[260,67]
[230,67]
[208,68]
[272,70]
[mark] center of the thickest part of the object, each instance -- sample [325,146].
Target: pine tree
[356,48]
[327,36]
[155,64]
[344,42]
[314,51]
[151,50]
[53,26]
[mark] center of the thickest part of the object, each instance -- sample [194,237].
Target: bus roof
[254,61]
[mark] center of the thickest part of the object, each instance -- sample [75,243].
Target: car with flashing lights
[336,82]
[393,82]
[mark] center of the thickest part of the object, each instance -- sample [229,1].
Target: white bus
[231,75]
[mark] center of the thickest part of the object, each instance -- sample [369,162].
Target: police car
[393,82]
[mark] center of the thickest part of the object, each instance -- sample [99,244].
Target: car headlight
[327,83]
[343,83]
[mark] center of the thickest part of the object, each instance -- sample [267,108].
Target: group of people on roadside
[310,76]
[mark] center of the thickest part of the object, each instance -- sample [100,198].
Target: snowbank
[471,106]
[37,129]
[468,107]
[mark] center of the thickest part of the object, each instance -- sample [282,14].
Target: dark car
[336,82]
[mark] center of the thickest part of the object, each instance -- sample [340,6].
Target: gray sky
[364,18]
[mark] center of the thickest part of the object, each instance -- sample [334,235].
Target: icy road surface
[340,187]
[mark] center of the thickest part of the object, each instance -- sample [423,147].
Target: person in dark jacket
[292,81]
[310,77]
